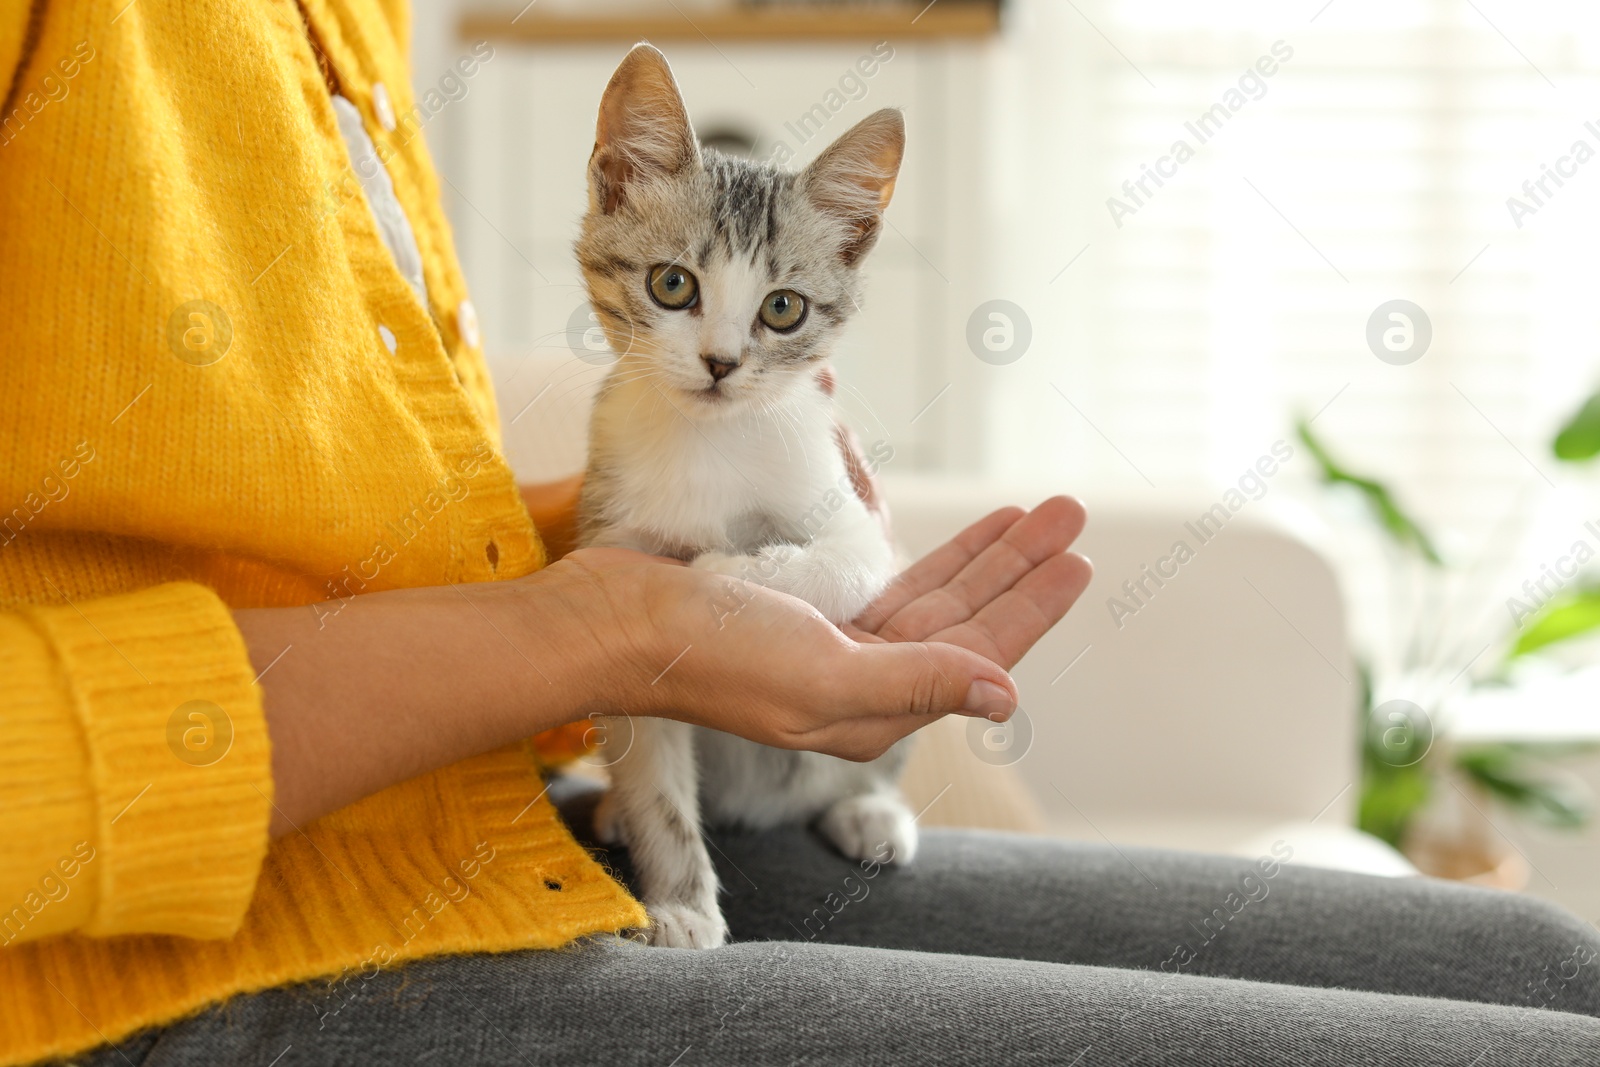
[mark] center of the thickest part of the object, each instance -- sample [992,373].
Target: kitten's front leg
[653,804]
[839,572]
[871,826]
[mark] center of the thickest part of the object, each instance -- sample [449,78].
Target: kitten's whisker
[547,340]
[653,391]
[576,379]
[568,393]
[578,383]
[868,405]
[777,423]
[787,414]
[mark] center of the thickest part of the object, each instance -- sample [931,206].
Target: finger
[1043,533]
[911,680]
[1005,628]
[939,566]
[860,636]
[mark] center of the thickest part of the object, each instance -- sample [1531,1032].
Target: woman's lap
[1181,913]
[988,948]
[618,1003]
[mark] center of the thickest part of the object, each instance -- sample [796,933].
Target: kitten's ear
[643,131]
[854,178]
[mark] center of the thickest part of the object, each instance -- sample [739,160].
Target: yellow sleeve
[135,770]
[14,16]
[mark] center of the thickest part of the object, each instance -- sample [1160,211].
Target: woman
[255,491]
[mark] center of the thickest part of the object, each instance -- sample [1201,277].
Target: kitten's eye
[672,287]
[783,310]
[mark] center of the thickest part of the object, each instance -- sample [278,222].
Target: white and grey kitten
[722,285]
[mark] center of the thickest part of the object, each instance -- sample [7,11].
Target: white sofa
[1220,716]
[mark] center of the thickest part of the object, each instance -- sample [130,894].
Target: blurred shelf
[945,19]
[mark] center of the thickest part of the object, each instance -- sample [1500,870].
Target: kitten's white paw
[606,824]
[873,826]
[682,926]
[839,591]
[838,602]
[778,566]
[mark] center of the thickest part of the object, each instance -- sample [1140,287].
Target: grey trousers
[989,949]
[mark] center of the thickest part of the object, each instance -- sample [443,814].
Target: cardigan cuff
[178,760]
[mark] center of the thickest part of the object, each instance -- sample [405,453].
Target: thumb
[911,678]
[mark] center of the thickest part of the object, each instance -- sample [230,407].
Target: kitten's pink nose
[719,366]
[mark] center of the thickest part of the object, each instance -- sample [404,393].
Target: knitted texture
[218,392]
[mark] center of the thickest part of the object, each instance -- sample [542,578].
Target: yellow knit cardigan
[218,391]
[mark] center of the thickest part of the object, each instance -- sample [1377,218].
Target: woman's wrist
[400,683]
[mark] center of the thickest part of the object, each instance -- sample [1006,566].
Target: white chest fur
[760,493]
[732,483]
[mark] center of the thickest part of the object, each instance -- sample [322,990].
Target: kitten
[723,284]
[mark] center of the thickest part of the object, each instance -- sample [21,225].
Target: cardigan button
[389,341]
[382,106]
[467,323]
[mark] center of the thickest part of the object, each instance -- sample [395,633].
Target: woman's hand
[995,588]
[720,652]
[402,682]
[778,673]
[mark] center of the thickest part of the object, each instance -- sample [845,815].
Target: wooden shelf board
[779,23]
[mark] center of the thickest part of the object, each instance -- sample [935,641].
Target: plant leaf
[1579,439]
[1401,527]
[1549,750]
[1390,799]
[1569,614]
[1556,800]
[1390,796]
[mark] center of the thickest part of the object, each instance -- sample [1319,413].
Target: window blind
[1377,162]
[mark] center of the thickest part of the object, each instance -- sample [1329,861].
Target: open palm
[994,589]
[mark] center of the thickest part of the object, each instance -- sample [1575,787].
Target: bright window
[1374,164]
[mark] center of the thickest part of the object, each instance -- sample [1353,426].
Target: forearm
[400,683]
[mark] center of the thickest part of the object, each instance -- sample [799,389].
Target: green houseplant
[1405,766]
